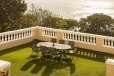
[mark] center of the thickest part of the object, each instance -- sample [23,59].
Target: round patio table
[54,53]
[54,45]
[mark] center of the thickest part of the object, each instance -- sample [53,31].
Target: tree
[60,23]
[83,24]
[71,23]
[98,24]
[55,22]
[43,15]
[49,21]
[10,10]
[26,21]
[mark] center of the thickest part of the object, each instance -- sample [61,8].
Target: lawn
[22,66]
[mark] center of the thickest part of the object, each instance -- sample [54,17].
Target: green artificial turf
[21,65]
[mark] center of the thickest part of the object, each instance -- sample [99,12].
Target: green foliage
[97,24]
[48,19]
[43,16]
[55,22]
[10,10]
[25,21]
[60,23]
[83,24]
[71,23]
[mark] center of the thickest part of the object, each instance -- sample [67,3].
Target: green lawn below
[22,66]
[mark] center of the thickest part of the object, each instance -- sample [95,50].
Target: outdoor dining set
[54,50]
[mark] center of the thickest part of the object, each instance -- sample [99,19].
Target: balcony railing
[15,35]
[15,38]
[80,37]
[82,40]
[109,41]
[49,32]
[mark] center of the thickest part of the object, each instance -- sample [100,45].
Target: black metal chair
[72,50]
[72,44]
[52,50]
[44,50]
[62,41]
[35,49]
[54,40]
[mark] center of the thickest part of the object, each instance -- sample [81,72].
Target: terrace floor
[22,66]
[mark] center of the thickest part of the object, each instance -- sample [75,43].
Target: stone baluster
[94,40]
[5,38]
[91,39]
[11,36]
[14,36]
[87,38]
[2,38]
[23,34]
[81,37]
[8,37]
[108,42]
[111,43]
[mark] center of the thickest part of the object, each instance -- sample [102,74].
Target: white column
[2,38]
[8,37]
[30,33]
[84,38]
[5,37]
[14,37]
[111,43]
[87,38]
[93,39]
[81,37]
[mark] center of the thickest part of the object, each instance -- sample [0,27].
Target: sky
[75,8]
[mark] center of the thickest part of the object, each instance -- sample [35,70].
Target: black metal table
[56,50]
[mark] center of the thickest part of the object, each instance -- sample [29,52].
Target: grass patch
[22,66]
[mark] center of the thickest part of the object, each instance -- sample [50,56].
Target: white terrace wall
[15,38]
[82,40]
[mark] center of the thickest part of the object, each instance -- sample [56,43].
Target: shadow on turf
[93,55]
[35,65]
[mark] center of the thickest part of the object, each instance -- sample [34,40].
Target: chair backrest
[44,50]
[35,41]
[61,41]
[34,45]
[53,40]
[72,43]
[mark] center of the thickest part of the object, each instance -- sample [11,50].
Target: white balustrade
[49,32]
[109,41]
[81,37]
[91,39]
[15,35]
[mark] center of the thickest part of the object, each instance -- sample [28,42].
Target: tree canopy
[71,23]
[97,24]
[10,10]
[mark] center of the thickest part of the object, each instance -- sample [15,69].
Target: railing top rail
[14,31]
